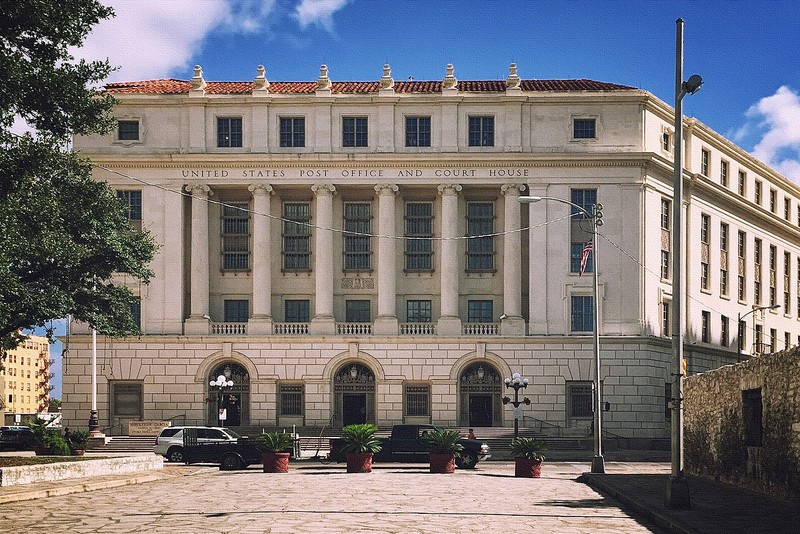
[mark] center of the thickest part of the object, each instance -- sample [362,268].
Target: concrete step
[128,444]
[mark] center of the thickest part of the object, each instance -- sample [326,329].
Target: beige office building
[356,251]
[25,386]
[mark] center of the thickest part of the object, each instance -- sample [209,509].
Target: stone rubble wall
[29,474]
[714,445]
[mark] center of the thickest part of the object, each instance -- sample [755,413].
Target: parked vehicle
[406,443]
[169,442]
[16,437]
[229,455]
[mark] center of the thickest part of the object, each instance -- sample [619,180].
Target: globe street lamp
[741,329]
[516,382]
[222,382]
[678,490]
[598,463]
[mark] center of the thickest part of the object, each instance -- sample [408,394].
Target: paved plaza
[314,498]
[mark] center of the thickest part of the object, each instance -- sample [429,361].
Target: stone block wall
[715,445]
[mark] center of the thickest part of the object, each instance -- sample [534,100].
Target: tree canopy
[62,234]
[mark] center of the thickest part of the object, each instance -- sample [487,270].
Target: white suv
[169,442]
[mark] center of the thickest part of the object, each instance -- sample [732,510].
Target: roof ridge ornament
[513,81]
[323,82]
[260,81]
[198,83]
[387,82]
[450,82]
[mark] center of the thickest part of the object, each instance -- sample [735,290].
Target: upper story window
[418,311]
[481,131]
[136,311]
[235,237]
[704,228]
[742,183]
[741,244]
[354,131]
[705,331]
[357,311]
[582,313]
[723,237]
[666,214]
[236,311]
[723,173]
[757,195]
[666,141]
[133,202]
[584,128]
[419,227]
[757,251]
[229,132]
[480,311]
[296,236]
[293,132]
[773,201]
[128,130]
[787,209]
[357,245]
[480,250]
[296,311]
[418,131]
[705,157]
[585,198]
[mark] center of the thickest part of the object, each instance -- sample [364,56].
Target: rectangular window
[581,228]
[704,226]
[291,400]
[752,411]
[237,311]
[229,132]
[773,340]
[418,311]
[354,131]
[136,311]
[481,131]
[723,237]
[741,245]
[582,313]
[480,242]
[235,237]
[742,335]
[742,183]
[357,311]
[126,399]
[759,339]
[706,327]
[666,214]
[723,173]
[128,130]
[133,203]
[480,311]
[723,282]
[418,131]
[787,340]
[419,228]
[358,227]
[584,128]
[757,196]
[725,333]
[705,156]
[665,265]
[787,209]
[579,399]
[773,201]
[704,281]
[293,131]
[666,141]
[296,311]
[757,251]
[666,319]
[417,399]
[296,236]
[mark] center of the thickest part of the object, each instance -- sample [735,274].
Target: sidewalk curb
[75,488]
[597,482]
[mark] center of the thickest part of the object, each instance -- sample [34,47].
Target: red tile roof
[171,86]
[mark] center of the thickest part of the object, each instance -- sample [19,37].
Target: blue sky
[746,51]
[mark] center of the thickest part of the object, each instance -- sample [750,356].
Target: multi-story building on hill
[25,378]
[356,251]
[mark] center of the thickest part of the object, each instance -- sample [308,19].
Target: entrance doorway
[479,396]
[231,406]
[480,410]
[354,395]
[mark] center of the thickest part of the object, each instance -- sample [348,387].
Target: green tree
[62,234]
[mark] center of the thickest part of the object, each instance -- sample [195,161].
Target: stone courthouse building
[356,251]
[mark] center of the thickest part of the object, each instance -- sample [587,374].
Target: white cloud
[319,12]
[777,117]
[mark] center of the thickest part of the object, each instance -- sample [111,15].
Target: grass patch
[17,461]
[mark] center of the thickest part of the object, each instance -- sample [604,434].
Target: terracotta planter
[275,462]
[359,462]
[527,468]
[443,463]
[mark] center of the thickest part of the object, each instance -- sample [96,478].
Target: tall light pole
[598,463]
[677,488]
[516,382]
[739,325]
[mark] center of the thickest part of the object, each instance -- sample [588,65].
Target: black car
[16,437]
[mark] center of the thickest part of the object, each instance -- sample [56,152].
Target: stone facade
[742,423]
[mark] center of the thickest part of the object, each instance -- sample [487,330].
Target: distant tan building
[26,377]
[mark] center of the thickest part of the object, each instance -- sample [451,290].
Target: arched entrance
[234,402]
[480,396]
[353,395]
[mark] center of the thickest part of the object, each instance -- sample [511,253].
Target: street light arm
[533,199]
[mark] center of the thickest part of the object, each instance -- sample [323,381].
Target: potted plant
[48,441]
[444,446]
[360,443]
[77,441]
[272,446]
[528,457]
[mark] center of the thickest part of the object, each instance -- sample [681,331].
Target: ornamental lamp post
[222,382]
[739,341]
[516,382]
[598,462]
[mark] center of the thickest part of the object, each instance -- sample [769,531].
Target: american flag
[587,249]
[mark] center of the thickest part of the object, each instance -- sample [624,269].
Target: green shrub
[529,448]
[77,440]
[444,441]
[360,438]
[274,441]
[55,444]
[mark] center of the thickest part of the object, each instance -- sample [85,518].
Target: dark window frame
[584,128]
[292,132]
[418,131]
[480,250]
[296,237]
[128,130]
[480,130]
[229,132]
[236,310]
[355,132]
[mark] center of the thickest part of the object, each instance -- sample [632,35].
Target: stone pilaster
[386,320]
[449,322]
[199,319]
[323,321]
[512,322]
[261,268]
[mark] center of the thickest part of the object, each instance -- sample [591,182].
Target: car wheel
[231,462]
[175,455]
[467,460]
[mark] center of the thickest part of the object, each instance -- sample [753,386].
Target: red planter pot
[359,462]
[275,462]
[443,463]
[527,468]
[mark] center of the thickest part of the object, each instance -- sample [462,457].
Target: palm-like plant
[274,442]
[528,448]
[444,441]
[360,438]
